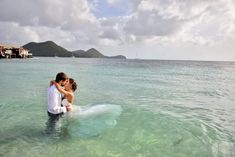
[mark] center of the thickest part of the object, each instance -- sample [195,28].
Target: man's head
[61,78]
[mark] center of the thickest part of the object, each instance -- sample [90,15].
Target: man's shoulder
[52,89]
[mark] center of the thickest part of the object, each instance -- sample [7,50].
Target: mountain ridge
[51,49]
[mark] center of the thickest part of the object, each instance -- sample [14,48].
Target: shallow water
[169,108]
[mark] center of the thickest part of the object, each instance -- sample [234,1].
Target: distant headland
[51,49]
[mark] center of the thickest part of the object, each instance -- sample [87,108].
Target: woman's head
[71,85]
[61,78]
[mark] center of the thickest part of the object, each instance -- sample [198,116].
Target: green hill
[47,49]
[118,57]
[78,53]
[51,49]
[91,53]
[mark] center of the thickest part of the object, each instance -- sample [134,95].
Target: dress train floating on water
[85,122]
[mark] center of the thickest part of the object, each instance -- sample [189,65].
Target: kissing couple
[60,98]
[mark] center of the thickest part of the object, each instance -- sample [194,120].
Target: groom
[55,110]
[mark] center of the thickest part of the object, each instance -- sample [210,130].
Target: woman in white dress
[67,91]
[87,121]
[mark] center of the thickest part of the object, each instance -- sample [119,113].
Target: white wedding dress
[89,121]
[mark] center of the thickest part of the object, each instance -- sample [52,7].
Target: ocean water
[168,108]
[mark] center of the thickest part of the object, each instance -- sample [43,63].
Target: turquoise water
[169,108]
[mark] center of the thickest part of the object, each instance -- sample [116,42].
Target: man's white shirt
[54,101]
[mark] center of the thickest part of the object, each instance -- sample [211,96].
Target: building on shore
[14,52]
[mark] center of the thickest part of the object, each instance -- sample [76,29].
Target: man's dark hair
[73,83]
[61,77]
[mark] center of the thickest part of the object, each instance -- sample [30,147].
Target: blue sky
[105,9]
[153,29]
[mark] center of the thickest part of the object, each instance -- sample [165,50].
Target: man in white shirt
[55,109]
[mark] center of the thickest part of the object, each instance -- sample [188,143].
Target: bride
[87,121]
[67,91]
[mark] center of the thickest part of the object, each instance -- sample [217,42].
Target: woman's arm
[60,89]
[69,95]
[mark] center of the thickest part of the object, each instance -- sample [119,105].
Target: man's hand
[52,82]
[68,107]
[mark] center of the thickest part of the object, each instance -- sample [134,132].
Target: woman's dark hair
[61,77]
[73,83]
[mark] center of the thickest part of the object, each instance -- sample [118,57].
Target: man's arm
[57,106]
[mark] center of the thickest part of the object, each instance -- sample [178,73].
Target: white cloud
[195,22]
[157,25]
[150,23]
[206,28]
[112,1]
[57,20]
[112,28]
[13,33]
[68,14]
[179,9]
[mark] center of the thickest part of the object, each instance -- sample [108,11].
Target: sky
[148,29]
